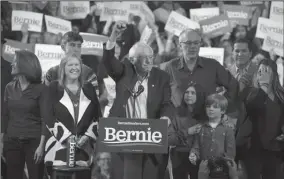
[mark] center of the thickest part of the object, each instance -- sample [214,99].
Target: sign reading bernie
[34,20]
[133,135]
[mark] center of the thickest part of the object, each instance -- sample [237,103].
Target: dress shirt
[208,73]
[140,101]
[214,142]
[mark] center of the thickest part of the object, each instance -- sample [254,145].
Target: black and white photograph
[142,89]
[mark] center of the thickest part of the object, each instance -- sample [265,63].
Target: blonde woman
[71,109]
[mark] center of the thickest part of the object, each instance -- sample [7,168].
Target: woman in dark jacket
[183,128]
[22,124]
[265,108]
[72,109]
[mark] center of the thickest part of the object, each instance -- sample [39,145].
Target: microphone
[135,94]
[139,91]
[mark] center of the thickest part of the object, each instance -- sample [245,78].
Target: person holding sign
[142,91]
[191,67]
[71,111]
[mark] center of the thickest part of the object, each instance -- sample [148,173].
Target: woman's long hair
[29,66]
[61,71]
[199,105]
[276,86]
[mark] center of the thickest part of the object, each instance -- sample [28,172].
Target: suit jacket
[123,73]
[159,95]
[59,117]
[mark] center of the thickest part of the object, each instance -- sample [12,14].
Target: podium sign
[133,135]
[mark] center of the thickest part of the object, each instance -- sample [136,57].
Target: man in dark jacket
[153,103]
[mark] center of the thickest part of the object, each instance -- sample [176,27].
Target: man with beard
[132,74]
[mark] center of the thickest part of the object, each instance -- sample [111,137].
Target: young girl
[182,131]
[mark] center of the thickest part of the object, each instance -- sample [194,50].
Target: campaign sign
[74,9]
[213,53]
[133,135]
[216,26]
[93,44]
[117,11]
[48,55]
[34,20]
[9,48]
[178,23]
[276,11]
[200,14]
[57,25]
[273,41]
[238,14]
[266,26]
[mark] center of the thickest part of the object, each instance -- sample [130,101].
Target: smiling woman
[71,112]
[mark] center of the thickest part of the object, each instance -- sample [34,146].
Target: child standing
[215,139]
[183,128]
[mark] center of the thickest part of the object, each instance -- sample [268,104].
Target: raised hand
[118,29]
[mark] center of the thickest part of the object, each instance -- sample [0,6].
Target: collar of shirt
[221,123]
[181,63]
[18,88]
[241,70]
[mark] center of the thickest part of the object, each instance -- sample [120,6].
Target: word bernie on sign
[133,135]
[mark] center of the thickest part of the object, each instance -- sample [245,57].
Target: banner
[115,10]
[33,19]
[9,48]
[57,25]
[214,53]
[133,135]
[276,11]
[200,14]
[146,35]
[216,26]
[259,4]
[177,23]
[238,14]
[139,8]
[273,41]
[48,55]
[74,9]
[267,26]
[93,44]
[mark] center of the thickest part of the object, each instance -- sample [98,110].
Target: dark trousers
[182,166]
[185,169]
[263,163]
[17,153]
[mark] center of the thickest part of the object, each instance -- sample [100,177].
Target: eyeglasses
[105,159]
[188,43]
[149,58]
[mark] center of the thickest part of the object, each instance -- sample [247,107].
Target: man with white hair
[136,75]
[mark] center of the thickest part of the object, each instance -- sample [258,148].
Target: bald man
[130,75]
[208,73]
[190,67]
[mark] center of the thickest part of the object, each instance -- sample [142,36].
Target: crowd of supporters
[228,116]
